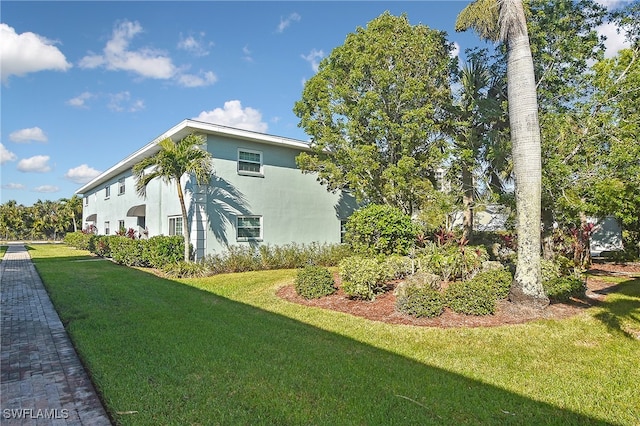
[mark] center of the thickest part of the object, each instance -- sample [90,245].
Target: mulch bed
[383,307]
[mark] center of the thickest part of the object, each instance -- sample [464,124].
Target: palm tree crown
[170,164]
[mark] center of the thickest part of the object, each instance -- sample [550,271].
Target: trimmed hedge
[313,282]
[363,277]
[419,296]
[561,289]
[471,298]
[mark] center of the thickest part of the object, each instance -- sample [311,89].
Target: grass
[226,350]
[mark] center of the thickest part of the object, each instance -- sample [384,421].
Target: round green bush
[381,229]
[471,298]
[420,301]
[313,282]
[561,289]
[363,277]
[500,279]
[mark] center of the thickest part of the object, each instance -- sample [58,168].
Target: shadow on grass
[174,354]
[621,307]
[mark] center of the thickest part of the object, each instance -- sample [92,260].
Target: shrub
[498,279]
[362,277]
[398,266]
[162,250]
[182,269]
[126,251]
[561,289]
[471,298]
[420,301]
[381,229]
[101,245]
[451,261]
[313,282]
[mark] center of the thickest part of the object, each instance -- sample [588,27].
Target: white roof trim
[180,131]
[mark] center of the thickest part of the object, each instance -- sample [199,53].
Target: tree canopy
[375,112]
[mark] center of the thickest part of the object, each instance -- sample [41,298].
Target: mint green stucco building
[256,195]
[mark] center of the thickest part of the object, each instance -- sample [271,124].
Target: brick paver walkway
[42,381]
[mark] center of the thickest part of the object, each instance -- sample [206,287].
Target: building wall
[293,206]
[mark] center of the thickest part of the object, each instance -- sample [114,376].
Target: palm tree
[170,164]
[478,118]
[504,20]
[72,210]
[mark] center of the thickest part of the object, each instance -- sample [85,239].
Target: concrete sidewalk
[42,381]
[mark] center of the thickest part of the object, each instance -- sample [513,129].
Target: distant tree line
[44,220]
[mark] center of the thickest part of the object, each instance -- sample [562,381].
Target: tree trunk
[525,137]
[185,227]
[467,202]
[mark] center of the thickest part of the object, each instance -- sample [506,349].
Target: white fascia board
[180,131]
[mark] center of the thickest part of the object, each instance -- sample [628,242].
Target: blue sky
[84,84]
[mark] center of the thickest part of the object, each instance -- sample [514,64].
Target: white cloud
[146,62]
[285,22]
[233,115]
[12,185]
[80,101]
[36,164]
[27,135]
[122,101]
[81,174]
[456,50]
[47,189]
[6,155]
[615,41]
[314,57]
[204,78]
[197,47]
[27,52]
[247,54]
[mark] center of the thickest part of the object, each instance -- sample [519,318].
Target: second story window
[107,191]
[250,162]
[121,186]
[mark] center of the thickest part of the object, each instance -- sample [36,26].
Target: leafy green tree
[170,164]
[375,112]
[505,20]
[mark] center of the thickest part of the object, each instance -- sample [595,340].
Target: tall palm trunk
[185,227]
[525,137]
[467,202]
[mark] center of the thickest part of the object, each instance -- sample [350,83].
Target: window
[86,201]
[249,228]
[175,225]
[249,162]
[121,186]
[343,230]
[107,191]
[121,226]
[106,228]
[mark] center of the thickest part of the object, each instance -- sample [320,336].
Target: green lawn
[226,350]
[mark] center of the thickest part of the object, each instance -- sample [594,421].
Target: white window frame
[173,227]
[121,225]
[260,228]
[251,162]
[107,229]
[86,200]
[121,186]
[107,192]
[343,230]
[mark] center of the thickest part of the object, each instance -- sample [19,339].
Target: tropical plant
[170,164]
